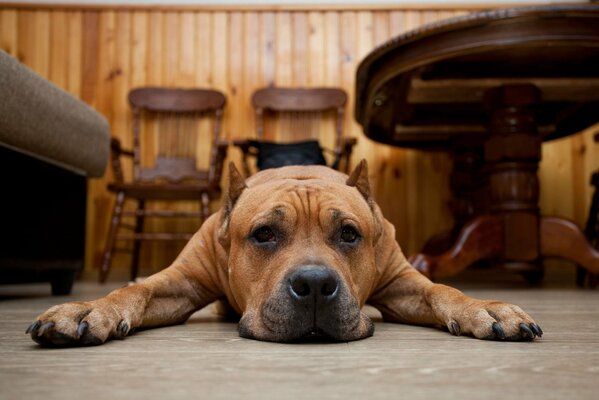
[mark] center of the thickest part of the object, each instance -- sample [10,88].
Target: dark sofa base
[60,273]
[42,225]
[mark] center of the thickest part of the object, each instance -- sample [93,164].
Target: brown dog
[297,252]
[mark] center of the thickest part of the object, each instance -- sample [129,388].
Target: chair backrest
[300,111]
[175,121]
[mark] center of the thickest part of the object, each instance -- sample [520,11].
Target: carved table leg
[512,152]
[511,232]
[562,238]
[467,183]
[480,239]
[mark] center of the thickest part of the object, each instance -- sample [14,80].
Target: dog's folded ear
[359,179]
[236,187]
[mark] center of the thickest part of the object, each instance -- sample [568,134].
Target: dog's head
[301,246]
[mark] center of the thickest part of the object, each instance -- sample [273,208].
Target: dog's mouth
[315,335]
[288,330]
[312,304]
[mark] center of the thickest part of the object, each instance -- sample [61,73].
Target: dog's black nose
[313,282]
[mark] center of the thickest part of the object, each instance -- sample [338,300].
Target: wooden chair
[297,114]
[167,126]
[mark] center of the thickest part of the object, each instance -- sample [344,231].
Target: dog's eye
[264,234]
[349,234]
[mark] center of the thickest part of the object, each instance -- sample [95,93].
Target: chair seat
[155,191]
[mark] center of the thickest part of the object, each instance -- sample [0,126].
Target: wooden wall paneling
[199,137]
[312,126]
[396,23]
[364,42]
[579,178]
[591,162]
[242,25]
[268,49]
[98,203]
[268,59]
[41,49]
[203,41]
[284,63]
[300,38]
[89,57]
[139,49]
[323,125]
[9,31]
[332,47]
[254,48]
[170,57]
[154,38]
[556,180]
[100,54]
[188,48]
[317,61]
[121,77]
[236,74]
[170,49]
[220,53]
[316,50]
[73,57]
[283,48]
[106,65]
[58,71]
[347,42]
[332,60]
[590,159]
[33,40]
[220,63]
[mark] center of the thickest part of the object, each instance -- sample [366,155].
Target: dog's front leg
[166,298]
[409,297]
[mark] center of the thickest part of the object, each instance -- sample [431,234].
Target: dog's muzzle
[311,302]
[313,287]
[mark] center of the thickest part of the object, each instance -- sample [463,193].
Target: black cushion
[275,155]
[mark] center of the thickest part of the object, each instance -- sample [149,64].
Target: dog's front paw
[493,320]
[77,324]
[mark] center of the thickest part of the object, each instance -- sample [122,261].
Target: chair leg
[117,213]
[139,227]
[205,206]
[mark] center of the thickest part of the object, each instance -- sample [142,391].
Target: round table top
[425,87]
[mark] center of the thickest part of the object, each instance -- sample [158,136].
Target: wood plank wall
[98,54]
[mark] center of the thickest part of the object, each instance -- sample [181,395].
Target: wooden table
[490,87]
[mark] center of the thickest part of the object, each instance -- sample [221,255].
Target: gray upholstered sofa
[50,143]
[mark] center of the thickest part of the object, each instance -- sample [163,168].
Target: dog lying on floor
[296,252]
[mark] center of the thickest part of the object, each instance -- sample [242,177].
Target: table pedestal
[513,232]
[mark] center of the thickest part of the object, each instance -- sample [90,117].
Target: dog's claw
[536,329]
[123,328]
[454,328]
[526,331]
[498,331]
[44,327]
[82,328]
[33,327]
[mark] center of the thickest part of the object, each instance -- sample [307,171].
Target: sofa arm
[42,120]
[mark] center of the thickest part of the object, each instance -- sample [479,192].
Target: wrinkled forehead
[301,198]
